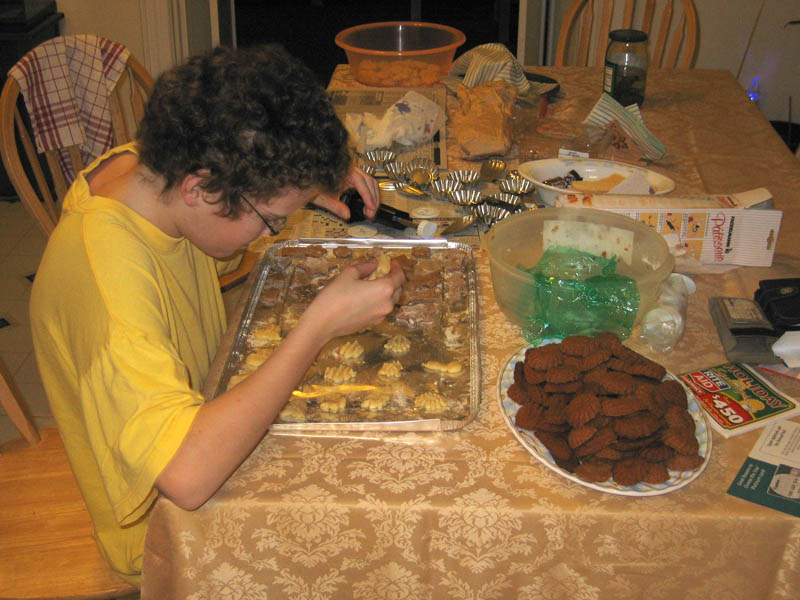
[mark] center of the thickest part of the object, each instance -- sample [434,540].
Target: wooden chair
[46,545]
[47,549]
[41,192]
[10,401]
[38,179]
[671,26]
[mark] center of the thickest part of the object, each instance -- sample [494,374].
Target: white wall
[773,55]
[198,21]
[117,20]
[158,32]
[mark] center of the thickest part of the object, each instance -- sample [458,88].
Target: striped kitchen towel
[490,62]
[65,82]
[630,120]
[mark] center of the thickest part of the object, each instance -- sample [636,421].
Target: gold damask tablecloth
[471,514]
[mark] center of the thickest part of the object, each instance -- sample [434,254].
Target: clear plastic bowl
[516,244]
[400,53]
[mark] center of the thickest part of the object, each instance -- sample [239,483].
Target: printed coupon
[737,399]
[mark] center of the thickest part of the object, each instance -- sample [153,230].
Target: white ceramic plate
[589,169]
[677,479]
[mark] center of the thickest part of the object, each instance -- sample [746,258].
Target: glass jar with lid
[625,74]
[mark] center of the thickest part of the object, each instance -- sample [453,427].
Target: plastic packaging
[578,293]
[625,74]
[663,325]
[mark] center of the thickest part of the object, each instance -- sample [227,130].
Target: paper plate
[589,169]
[677,480]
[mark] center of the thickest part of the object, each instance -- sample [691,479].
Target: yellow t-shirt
[125,322]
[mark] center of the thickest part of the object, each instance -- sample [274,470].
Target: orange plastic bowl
[400,53]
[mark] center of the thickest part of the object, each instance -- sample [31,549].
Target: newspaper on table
[378,100]
[737,399]
[770,475]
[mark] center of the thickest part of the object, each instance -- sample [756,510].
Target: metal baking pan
[456,311]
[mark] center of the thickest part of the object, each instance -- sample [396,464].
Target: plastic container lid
[427,229]
[628,36]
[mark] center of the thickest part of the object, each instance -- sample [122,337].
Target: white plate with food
[677,479]
[596,177]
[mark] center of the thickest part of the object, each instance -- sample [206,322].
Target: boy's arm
[227,429]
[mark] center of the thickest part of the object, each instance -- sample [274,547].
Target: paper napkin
[630,121]
[414,119]
[788,348]
[493,62]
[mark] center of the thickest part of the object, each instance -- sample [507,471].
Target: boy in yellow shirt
[126,312]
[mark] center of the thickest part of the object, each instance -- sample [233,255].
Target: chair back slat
[564,37]
[675,45]
[118,130]
[59,181]
[657,46]
[125,101]
[627,19]
[647,16]
[604,30]
[48,201]
[586,33]
[690,41]
[76,158]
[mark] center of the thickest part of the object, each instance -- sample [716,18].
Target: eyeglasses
[279,221]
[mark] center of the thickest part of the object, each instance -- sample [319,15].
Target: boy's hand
[334,313]
[365,185]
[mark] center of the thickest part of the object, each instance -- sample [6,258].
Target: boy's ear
[191,188]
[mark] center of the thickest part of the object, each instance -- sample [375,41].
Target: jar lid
[628,36]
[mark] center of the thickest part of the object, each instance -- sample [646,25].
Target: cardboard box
[733,230]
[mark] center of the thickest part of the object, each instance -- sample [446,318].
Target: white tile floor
[21,247]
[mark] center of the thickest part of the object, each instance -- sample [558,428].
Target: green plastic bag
[578,293]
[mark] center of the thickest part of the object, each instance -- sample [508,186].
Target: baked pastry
[258,356]
[448,368]
[268,334]
[375,402]
[351,350]
[383,269]
[294,411]
[429,333]
[397,345]
[339,374]
[431,402]
[391,369]
[336,404]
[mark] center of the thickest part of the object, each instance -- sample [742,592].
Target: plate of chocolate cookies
[604,416]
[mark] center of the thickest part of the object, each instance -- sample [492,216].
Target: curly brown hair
[255,118]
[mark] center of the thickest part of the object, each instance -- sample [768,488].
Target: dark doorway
[307,27]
